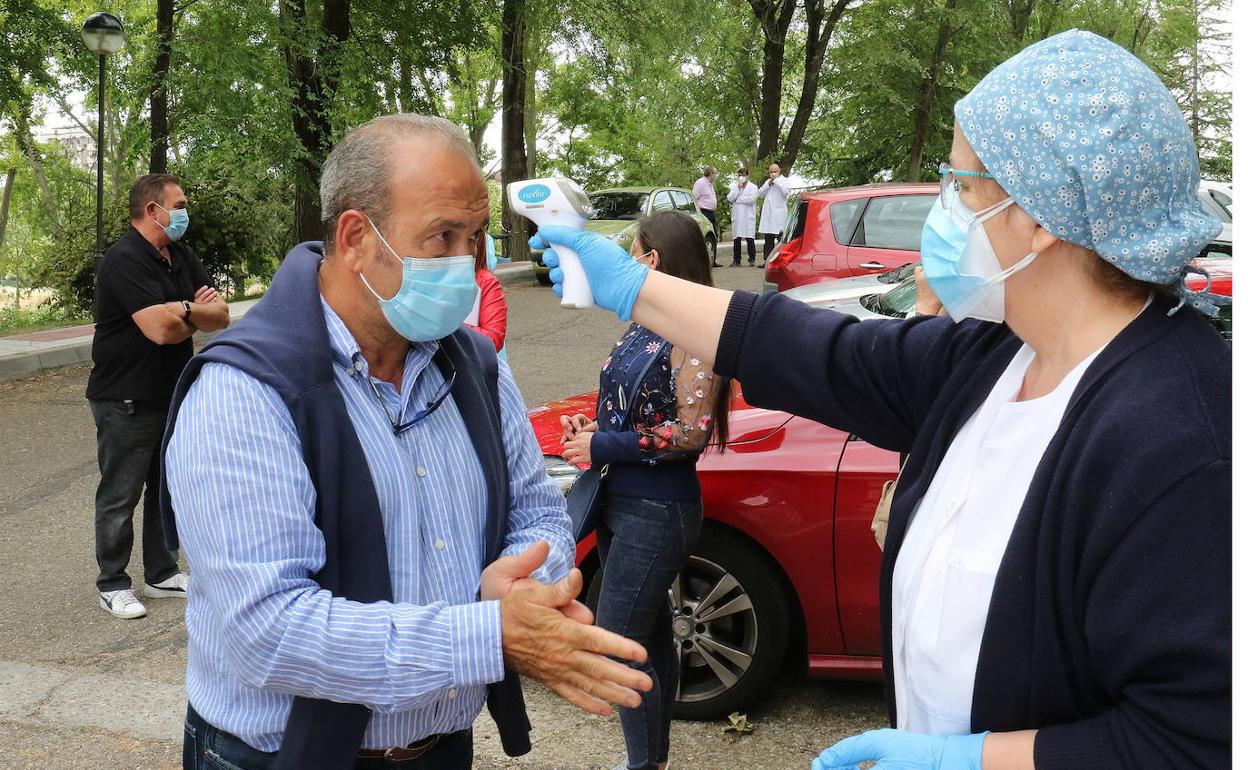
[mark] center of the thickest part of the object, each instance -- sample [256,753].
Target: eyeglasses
[950,186]
[429,409]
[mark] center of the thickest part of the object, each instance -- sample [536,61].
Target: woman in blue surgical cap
[1055,587]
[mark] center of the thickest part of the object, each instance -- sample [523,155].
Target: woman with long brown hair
[658,408]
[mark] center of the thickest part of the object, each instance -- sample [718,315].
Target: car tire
[711,246]
[756,626]
[544,278]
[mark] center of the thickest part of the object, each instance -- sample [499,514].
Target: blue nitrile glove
[900,750]
[614,277]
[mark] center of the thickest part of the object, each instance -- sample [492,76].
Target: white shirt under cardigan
[943,579]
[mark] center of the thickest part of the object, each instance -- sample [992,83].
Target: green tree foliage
[616,92]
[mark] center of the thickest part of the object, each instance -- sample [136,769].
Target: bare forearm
[176,328]
[1010,751]
[210,316]
[688,315]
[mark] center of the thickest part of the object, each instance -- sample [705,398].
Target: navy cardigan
[1109,624]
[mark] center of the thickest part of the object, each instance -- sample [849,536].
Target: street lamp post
[103,34]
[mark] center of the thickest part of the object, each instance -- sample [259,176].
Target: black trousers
[127,440]
[736,249]
[769,241]
[710,215]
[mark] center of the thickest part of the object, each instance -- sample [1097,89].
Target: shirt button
[422,472]
[359,366]
[451,693]
[440,544]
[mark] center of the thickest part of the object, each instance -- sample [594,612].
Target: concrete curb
[516,274]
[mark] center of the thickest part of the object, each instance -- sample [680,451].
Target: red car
[786,555]
[850,231]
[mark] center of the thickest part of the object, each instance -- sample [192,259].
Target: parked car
[617,210]
[850,231]
[898,300]
[1215,197]
[786,555]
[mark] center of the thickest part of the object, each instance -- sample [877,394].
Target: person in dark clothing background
[652,512]
[151,295]
[1055,586]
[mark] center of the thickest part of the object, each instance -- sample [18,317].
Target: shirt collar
[346,350]
[152,251]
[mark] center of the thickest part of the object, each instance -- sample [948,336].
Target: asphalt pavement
[79,688]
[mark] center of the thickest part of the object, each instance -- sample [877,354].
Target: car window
[661,201]
[897,302]
[1214,209]
[893,222]
[684,201]
[617,205]
[796,225]
[1223,200]
[844,214]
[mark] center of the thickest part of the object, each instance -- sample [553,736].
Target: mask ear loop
[393,253]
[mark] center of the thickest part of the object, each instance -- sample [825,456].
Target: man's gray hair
[356,175]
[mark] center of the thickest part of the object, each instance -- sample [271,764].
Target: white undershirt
[943,579]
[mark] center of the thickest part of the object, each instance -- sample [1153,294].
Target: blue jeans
[204,747]
[643,544]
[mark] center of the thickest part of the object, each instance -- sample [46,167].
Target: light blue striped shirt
[260,630]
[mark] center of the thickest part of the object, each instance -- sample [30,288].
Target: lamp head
[103,33]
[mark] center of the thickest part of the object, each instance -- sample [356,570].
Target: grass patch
[19,321]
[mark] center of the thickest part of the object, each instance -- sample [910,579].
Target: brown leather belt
[403,753]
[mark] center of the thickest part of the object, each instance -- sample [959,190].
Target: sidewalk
[22,355]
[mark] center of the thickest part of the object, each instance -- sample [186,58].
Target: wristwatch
[186,311]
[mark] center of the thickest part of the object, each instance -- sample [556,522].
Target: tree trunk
[819,26]
[1020,17]
[927,95]
[26,146]
[159,163]
[313,78]
[774,18]
[4,203]
[515,160]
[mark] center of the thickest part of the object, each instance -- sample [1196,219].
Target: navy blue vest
[284,343]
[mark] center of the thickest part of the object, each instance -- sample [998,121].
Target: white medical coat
[774,193]
[744,201]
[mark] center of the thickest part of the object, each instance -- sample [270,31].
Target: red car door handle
[871,266]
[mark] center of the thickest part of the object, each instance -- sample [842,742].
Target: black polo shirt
[133,275]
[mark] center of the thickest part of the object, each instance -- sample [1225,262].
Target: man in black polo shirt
[151,295]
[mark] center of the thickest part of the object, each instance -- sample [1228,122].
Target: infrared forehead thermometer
[553,201]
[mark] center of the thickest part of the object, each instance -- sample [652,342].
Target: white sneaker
[123,604]
[174,587]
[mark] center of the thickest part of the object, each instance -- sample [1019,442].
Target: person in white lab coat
[774,193]
[743,195]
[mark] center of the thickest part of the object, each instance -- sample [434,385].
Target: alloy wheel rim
[715,628]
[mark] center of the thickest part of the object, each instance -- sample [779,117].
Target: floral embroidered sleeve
[675,433]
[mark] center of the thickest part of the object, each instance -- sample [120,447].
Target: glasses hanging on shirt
[430,408]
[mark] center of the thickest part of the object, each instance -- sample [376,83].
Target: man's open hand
[510,572]
[569,657]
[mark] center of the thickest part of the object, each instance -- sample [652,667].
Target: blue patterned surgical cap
[1087,140]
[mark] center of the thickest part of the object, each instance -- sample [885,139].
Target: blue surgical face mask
[178,222]
[434,298]
[960,264]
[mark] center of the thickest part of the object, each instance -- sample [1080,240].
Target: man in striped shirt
[261,630]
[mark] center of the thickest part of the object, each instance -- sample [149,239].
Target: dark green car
[617,210]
